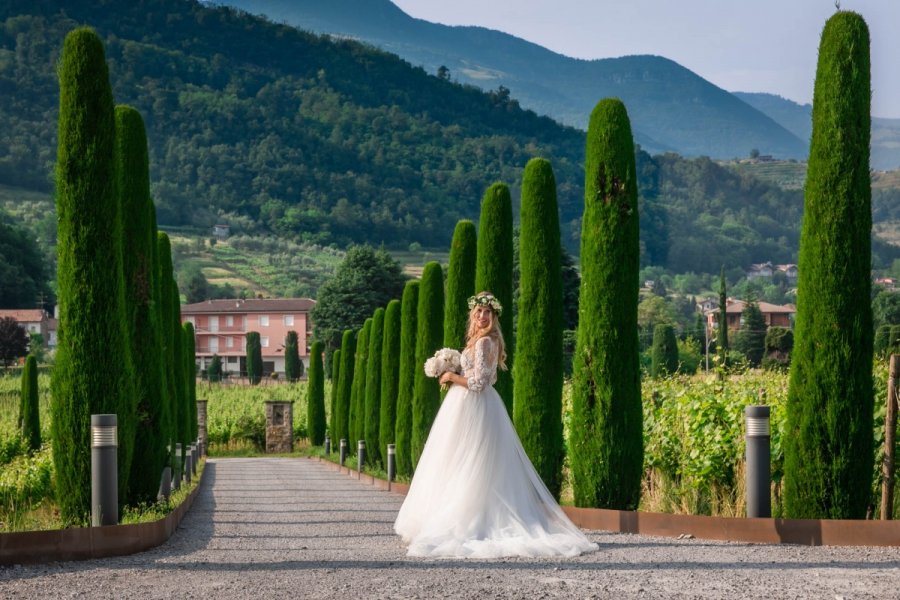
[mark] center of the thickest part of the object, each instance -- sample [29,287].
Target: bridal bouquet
[445,359]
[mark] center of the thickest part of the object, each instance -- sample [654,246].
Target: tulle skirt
[475,494]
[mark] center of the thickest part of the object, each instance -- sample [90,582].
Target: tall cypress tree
[29,413]
[722,334]
[494,272]
[606,442]
[254,357]
[357,417]
[390,374]
[165,283]
[291,357]
[372,408]
[141,299]
[538,373]
[430,333]
[664,355]
[460,283]
[335,378]
[828,446]
[345,386]
[752,340]
[182,424]
[93,370]
[409,310]
[189,348]
[315,396]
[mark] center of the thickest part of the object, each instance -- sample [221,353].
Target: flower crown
[486,300]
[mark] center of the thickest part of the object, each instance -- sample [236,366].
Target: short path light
[104,470]
[759,502]
[360,455]
[391,461]
[343,451]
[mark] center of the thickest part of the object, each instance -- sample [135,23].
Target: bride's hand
[446,378]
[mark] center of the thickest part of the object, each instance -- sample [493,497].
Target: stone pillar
[201,426]
[279,427]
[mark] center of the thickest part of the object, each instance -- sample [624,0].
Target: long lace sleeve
[484,369]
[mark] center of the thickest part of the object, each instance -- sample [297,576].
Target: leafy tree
[430,332]
[665,352]
[390,375]
[23,271]
[409,311]
[214,370]
[365,279]
[292,369]
[13,341]
[538,375]
[315,396]
[828,445]
[779,343]
[254,357]
[752,340]
[460,283]
[356,418]
[345,386]
[494,272]
[606,441]
[93,371]
[29,408]
[886,308]
[335,377]
[372,404]
[196,287]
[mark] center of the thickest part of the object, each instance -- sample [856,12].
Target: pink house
[220,327]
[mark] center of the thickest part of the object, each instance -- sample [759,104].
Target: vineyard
[693,439]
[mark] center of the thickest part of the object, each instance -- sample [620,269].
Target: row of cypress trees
[122,349]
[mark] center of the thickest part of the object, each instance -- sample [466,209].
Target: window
[264,342]
[214,323]
[229,342]
[263,320]
[289,320]
[213,344]
[229,321]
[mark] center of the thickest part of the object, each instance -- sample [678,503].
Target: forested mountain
[672,108]
[276,131]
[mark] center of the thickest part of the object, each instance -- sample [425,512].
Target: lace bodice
[479,364]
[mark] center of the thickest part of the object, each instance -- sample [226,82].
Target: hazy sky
[745,46]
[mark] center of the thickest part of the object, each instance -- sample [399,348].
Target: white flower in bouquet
[445,359]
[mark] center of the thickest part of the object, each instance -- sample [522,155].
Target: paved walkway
[293,528]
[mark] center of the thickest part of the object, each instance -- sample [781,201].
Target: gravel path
[279,528]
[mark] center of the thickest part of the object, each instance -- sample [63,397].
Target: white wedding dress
[475,494]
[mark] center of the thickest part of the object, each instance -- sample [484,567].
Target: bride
[475,494]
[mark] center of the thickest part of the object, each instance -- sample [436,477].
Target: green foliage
[828,442]
[665,352]
[372,404]
[183,420]
[164,283]
[722,320]
[605,448]
[390,374]
[460,283]
[345,386]
[494,273]
[23,271]
[214,370]
[409,311]
[254,357]
[13,341]
[29,412]
[315,396]
[356,418]
[752,338]
[886,308]
[25,482]
[429,334]
[93,371]
[333,398]
[292,364]
[779,344]
[538,372]
[190,381]
[365,280]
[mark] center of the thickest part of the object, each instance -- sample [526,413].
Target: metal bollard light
[391,461]
[165,484]
[104,470]
[327,445]
[343,454]
[176,469]
[759,502]
[195,455]
[360,455]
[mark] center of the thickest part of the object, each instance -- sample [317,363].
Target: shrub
[315,396]
[407,369]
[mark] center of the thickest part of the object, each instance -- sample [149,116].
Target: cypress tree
[390,374]
[460,284]
[315,396]
[345,385]
[494,272]
[356,418]
[828,445]
[335,378]
[141,299]
[538,373]
[292,368]
[664,355]
[606,442]
[372,408]
[93,371]
[722,334]
[214,370]
[409,309]
[29,413]
[190,380]
[182,423]
[430,332]
[752,341]
[165,282]
[254,357]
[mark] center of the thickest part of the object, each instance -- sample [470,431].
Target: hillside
[672,108]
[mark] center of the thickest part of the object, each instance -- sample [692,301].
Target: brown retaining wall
[83,543]
[809,532]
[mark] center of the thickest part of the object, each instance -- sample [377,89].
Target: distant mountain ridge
[671,108]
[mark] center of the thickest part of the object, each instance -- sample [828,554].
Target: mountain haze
[671,108]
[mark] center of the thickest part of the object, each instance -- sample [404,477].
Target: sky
[741,46]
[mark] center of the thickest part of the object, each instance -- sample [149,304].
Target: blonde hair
[475,333]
